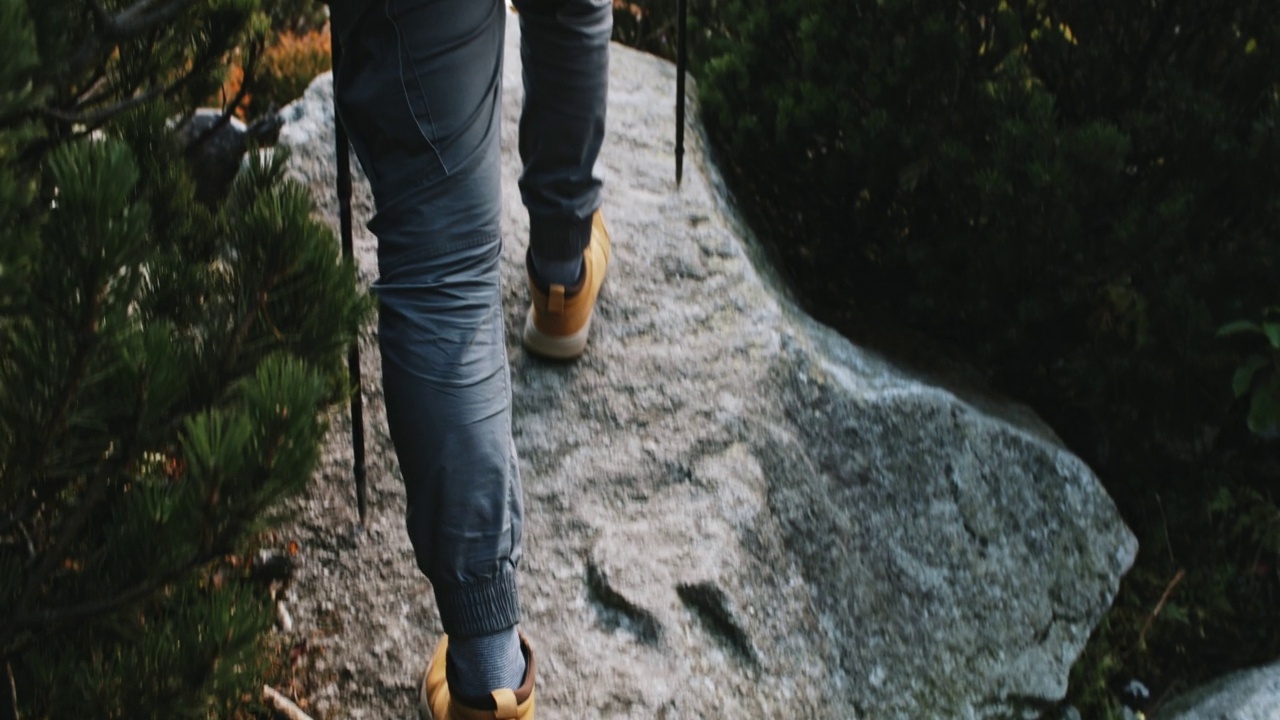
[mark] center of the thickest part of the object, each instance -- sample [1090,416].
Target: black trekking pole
[682,60]
[348,249]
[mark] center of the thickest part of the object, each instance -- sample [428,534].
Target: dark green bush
[1077,195]
[166,369]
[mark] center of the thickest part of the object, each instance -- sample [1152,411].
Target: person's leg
[565,52]
[564,49]
[418,91]
[448,403]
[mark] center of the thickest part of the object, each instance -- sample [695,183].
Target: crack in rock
[709,605]
[615,612]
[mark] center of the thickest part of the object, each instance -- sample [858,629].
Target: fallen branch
[282,704]
[13,690]
[1142,637]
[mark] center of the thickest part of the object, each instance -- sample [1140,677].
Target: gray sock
[477,666]
[558,272]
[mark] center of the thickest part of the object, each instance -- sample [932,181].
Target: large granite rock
[732,511]
[1245,695]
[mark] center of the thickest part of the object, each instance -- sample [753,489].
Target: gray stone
[1245,695]
[214,147]
[732,511]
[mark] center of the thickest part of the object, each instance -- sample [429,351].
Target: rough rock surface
[1245,695]
[731,511]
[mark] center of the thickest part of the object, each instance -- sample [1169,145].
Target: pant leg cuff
[558,238]
[479,608]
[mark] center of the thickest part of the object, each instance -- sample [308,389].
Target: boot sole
[555,347]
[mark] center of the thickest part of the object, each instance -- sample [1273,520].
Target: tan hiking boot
[559,317]
[435,703]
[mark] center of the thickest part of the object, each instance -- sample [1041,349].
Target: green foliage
[1076,195]
[17,97]
[166,370]
[296,16]
[1091,675]
[1258,375]
[648,25]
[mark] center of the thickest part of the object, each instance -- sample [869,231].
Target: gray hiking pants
[419,93]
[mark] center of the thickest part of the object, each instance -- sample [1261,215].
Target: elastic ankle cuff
[479,608]
[558,238]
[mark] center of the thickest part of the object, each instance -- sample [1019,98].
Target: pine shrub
[275,74]
[166,369]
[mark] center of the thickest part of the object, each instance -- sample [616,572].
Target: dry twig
[13,690]
[1177,578]
[282,704]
